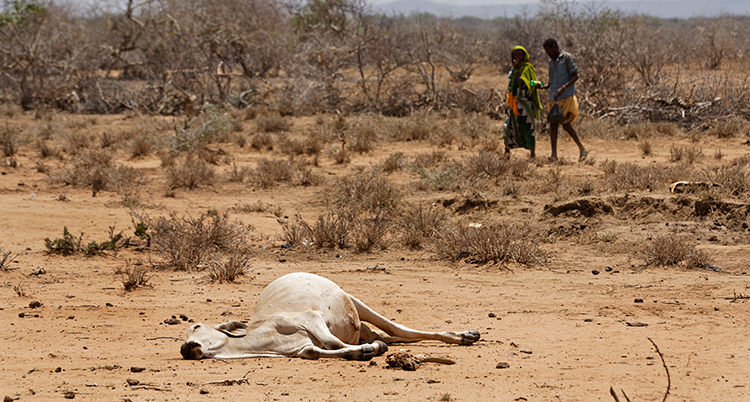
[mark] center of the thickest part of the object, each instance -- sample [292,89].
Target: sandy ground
[566,333]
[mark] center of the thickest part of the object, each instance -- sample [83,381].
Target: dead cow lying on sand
[308,316]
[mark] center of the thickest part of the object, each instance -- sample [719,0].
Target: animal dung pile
[409,362]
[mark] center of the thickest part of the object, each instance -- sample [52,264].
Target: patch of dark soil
[467,205]
[587,207]
[629,207]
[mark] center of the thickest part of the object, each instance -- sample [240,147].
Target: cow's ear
[234,329]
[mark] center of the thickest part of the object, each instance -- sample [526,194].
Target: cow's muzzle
[191,350]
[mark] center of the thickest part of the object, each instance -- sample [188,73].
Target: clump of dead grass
[488,244]
[133,277]
[418,223]
[629,176]
[185,243]
[273,123]
[684,154]
[6,258]
[192,173]
[671,250]
[366,191]
[95,169]
[9,140]
[227,267]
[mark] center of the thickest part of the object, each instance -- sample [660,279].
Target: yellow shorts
[569,107]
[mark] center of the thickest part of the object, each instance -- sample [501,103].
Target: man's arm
[573,79]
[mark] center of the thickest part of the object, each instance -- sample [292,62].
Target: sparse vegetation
[187,243]
[6,258]
[488,244]
[133,277]
[672,250]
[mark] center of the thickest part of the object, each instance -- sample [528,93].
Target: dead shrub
[427,160]
[262,141]
[212,125]
[488,244]
[295,232]
[194,172]
[367,191]
[646,148]
[332,229]
[444,178]
[6,258]
[490,165]
[226,268]
[688,155]
[629,176]
[186,243]
[271,172]
[133,277]
[596,128]
[418,223]
[733,179]
[141,145]
[95,169]
[237,174]
[369,232]
[672,250]
[394,162]
[47,150]
[273,123]
[309,178]
[9,141]
[733,126]
[419,126]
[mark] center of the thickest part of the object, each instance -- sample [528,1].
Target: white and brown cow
[305,315]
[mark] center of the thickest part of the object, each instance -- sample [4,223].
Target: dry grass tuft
[226,268]
[418,224]
[490,244]
[194,172]
[273,123]
[671,250]
[688,155]
[133,277]
[367,191]
[646,148]
[9,141]
[394,162]
[94,168]
[186,243]
[6,258]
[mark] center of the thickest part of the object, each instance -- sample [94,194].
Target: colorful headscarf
[527,74]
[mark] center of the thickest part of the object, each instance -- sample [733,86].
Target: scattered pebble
[203,391]
[35,304]
[595,272]
[173,321]
[491,315]
[608,269]
[502,365]
[137,369]
[638,301]
[132,381]
[70,395]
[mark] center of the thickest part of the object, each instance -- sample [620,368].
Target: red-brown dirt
[565,333]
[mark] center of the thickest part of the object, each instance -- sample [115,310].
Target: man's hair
[550,43]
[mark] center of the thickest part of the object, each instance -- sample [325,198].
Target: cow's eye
[197,326]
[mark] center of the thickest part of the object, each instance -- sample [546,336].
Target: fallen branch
[669,379]
[238,381]
[150,387]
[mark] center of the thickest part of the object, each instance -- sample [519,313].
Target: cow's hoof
[366,352]
[469,337]
[381,346]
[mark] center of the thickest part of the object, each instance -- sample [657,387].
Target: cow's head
[209,340]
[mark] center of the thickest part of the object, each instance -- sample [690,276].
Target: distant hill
[662,9]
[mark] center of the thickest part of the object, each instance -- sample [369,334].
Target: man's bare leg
[572,132]
[553,128]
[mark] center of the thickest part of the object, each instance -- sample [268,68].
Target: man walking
[563,74]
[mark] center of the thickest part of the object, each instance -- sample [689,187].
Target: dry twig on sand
[669,379]
[238,381]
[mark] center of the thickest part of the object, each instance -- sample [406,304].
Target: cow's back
[300,292]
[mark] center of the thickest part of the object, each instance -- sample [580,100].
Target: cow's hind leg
[400,333]
[325,344]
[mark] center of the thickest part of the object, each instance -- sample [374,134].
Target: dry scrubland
[177,192]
